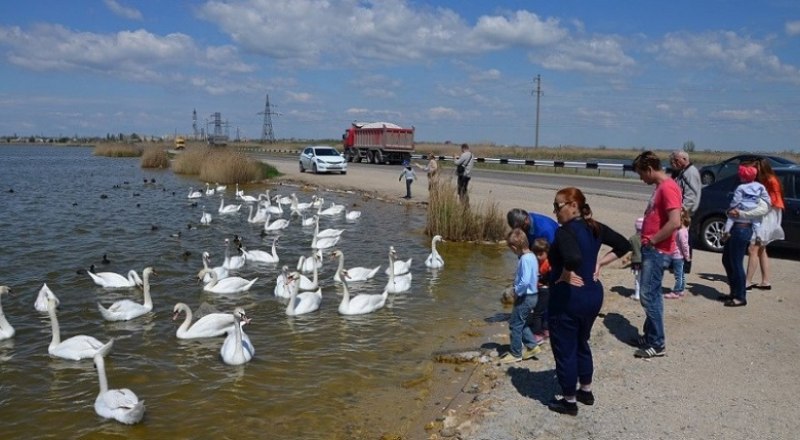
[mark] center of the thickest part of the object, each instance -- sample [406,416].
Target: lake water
[320,375]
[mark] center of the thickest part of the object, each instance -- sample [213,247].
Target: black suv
[709,220]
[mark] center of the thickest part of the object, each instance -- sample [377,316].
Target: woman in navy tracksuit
[576,294]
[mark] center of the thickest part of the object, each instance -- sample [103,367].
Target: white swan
[121,404]
[126,309]
[324,243]
[275,209]
[285,200]
[227,209]
[41,299]
[221,188]
[317,202]
[400,266]
[277,225]
[360,304]
[75,348]
[260,256]
[354,273]
[111,280]
[325,233]
[233,262]
[434,260]
[194,194]
[247,199]
[301,303]
[397,283]
[299,207]
[352,215]
[220,271]
[227,285]
[238,193]
[282,287]
[209,326]
[307,264]
[205,219]
[307,221]
[6,330]
[237,349]
[309,284]
[210,191]
[331,211]
[260,217]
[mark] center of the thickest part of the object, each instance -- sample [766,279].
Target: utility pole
[538,92]
[267,135]
[194,123]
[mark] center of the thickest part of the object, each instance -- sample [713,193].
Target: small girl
[409,174]
[680,257]
[636,256]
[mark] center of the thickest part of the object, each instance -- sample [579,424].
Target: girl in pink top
[680,256]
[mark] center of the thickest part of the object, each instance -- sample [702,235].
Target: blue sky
[653,74]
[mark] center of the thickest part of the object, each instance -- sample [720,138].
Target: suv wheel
[302,170]
[711,234]
[314,168]
[707,178]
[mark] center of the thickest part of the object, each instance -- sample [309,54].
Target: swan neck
[101,373]
[341,266]
[51,310]
[187,321]
[238,329]
[148,301]
[292,296]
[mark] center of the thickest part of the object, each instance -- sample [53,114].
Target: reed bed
[221,165]
[155,157]
[117,150]
[457,221]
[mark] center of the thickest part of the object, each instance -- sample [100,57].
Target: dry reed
[117,150]
[457,221]
[155,157]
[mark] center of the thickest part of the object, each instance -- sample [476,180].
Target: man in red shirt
[661,219]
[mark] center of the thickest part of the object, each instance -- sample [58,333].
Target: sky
[723,74]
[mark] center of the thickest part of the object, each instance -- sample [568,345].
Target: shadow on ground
[537,385]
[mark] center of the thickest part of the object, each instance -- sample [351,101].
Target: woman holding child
[576,294]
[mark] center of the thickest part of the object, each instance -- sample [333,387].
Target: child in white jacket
[409,174]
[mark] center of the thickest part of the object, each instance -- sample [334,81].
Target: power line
[267,134]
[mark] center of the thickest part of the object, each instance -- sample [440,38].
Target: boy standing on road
[409,174]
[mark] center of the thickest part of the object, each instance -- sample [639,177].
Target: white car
[322,159]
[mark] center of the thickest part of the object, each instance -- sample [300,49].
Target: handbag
[460,169]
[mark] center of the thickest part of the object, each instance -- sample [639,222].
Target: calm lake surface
[320,375]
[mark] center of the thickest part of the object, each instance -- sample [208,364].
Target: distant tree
[688,146]
[121,137]
[135,137]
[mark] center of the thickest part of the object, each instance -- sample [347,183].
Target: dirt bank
[729,372]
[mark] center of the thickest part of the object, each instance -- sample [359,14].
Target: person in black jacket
[576,294]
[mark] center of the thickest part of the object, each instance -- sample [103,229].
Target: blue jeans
[733,259]
[518,324]
[650,295]
[680,278]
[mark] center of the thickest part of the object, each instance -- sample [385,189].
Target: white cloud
[601,54]
[300,97]
[123,11]
[308,32]
[725,50]
[443,113]
[356,111]
[739,115]
[486,75]
[136,55]
[793,28]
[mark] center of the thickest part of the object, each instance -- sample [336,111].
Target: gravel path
[729,372]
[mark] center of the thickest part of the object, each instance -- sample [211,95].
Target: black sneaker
[650,352]
[561,406]
[584,397]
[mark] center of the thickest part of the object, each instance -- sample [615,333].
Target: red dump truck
[378,142]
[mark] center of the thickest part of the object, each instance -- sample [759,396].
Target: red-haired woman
[576,294]
[770,227]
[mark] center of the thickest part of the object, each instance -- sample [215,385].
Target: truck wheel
[302,170]
[379,157]
[370,157]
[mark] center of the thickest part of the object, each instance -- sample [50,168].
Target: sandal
[752,286]
[762,287]
[734,303]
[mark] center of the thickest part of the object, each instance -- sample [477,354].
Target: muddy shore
[729,372]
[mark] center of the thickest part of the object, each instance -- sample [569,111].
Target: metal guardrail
[599,166]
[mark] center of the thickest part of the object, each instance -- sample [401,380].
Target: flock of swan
[302,294]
